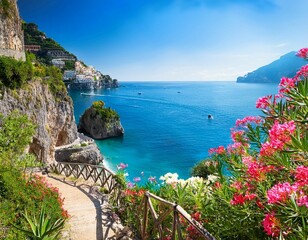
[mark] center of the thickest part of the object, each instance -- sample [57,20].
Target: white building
[69,75]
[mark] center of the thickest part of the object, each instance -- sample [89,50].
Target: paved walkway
[91,219]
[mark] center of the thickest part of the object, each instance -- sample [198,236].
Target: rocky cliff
[54,117]
[11,33]
[100,123]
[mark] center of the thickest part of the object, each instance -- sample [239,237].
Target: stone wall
[11,33]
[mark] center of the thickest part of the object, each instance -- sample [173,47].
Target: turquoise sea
[166,123]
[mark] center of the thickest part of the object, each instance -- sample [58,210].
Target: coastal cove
[166,123]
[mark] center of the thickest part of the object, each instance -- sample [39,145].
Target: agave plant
[43,228]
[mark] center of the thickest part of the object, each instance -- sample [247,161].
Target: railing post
[175,215]
[145,217]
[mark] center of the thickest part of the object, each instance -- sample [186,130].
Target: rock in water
[99,122]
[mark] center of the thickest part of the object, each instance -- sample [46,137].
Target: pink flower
[130,185]
[137,179]
[267,149]
[302,200]
[301,175]
[236,148]
[257,171]
[264,102]
[280,192]
[286,84]
[302,53]
[152,179]
[279,135]
[237,185]
[303,72]
[247,160]
[219,150]
[238,199]
[271,225]
[237,136]
[122,166]
[247,120]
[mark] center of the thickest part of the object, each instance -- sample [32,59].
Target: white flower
[212,178]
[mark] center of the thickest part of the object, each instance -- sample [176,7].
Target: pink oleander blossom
[279,135]
[301,175]
[240,199]
[264,102]
[302,53]
[286,84]
[271,225]
[248,120]
[237,148]
[302,200]
[267,149]
[122,166]
[237,185]
[257,171]
[247,160]
[282,131]
[219,150]
[303,72]
[238,136]
[280,192]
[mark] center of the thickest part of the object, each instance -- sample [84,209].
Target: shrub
[14,73]
[19,195]
[106,114]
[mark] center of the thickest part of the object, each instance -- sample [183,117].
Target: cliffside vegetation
[106,114]
[21,193]
[14,74]
[7,8]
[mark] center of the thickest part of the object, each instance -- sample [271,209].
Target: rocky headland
[99,122]
[286,66]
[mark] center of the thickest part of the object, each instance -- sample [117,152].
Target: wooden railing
[97,173]
[166,210]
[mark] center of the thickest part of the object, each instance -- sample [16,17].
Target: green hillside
[33,36]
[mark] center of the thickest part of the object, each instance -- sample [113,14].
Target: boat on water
[210,116]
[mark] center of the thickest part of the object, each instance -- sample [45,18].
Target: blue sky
[157,40]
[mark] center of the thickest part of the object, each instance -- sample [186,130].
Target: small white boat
[210,116]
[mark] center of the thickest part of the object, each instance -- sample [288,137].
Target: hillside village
[76,74]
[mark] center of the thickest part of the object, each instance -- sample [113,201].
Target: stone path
[91,218]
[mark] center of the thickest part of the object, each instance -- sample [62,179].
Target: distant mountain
[286,66]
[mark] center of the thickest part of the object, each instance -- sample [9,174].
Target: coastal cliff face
[11,33]
[53,116]
[100,125]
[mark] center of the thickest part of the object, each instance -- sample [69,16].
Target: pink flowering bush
[265,191]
